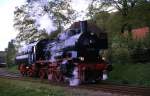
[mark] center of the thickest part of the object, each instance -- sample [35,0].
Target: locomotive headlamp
[92,33]
[76,40]
[103,58]
[27,67]
[81,58]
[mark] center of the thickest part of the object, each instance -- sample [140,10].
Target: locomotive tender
[74,54]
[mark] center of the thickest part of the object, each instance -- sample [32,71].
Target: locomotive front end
[92,65]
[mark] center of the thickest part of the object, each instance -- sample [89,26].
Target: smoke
[46,23]
[43,21]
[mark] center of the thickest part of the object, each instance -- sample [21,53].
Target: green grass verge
[132,74]
[10,87]
[22,88]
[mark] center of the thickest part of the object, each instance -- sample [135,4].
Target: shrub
[120,55]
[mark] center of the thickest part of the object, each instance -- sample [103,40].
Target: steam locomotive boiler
[74,54]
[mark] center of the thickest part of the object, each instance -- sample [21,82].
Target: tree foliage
[61,12]
[10,53]
[27,16]
[128,15]
[127,9]
[102,19]
[25,23]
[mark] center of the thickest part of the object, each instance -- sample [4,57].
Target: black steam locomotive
[79,47]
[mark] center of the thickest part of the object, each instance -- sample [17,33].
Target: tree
[26,24]
[131,14]
[10,53]
[27,18]
[101,19]
[61,13]
[125,8]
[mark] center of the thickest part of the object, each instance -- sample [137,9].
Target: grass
[22,88]
[132,74]
[25,88]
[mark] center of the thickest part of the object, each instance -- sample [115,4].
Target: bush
[120,55]
[132,74]
[140,55]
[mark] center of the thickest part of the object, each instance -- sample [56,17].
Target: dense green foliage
[10,54]
[2,57]
[130,14]
[132,74]
[61,13]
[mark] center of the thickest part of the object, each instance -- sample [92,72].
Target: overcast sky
[7,32]
[6,21]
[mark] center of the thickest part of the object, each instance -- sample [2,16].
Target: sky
[7,31]
[7,7]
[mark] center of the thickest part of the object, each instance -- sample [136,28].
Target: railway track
[5,73]
[111,88]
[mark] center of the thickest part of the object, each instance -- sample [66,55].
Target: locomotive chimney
[83,26]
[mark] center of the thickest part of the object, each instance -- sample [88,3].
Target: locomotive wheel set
[74,56]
